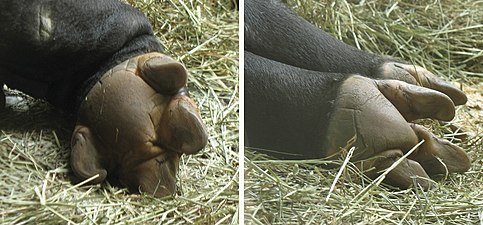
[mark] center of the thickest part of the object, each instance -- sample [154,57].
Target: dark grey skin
[307,95]
[100,61]
[53,47]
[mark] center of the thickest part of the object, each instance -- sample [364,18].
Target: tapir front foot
[378,113]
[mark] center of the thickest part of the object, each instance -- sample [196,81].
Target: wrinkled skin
[379,114]
[134,125]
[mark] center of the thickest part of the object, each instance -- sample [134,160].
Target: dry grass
[34,138]
[443,36]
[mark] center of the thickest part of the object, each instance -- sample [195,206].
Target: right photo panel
[366,112]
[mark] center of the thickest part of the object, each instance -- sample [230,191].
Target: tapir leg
[287,108]
[408,173]
[275,32]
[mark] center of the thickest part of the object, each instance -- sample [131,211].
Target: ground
[35,182]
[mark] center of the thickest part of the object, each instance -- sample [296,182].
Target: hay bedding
[443,36]
[35,182]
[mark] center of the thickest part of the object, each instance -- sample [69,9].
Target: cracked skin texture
[379,114]
[378,111]
[363,110]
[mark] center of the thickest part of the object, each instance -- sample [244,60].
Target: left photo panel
[119,112]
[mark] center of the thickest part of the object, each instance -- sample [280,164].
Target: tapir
[309,95]
[100,61]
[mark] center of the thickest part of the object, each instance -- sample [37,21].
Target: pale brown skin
[134,125]
[379,113]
